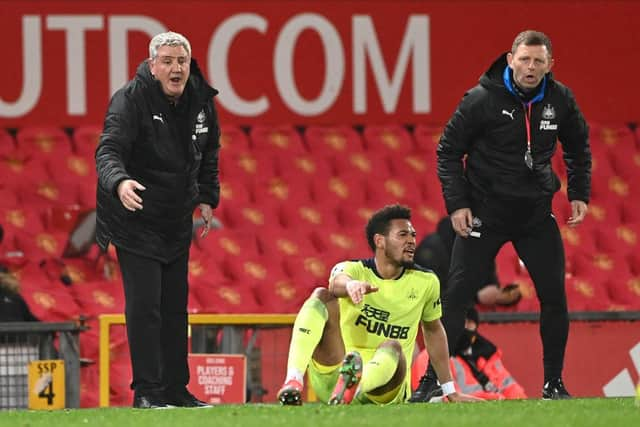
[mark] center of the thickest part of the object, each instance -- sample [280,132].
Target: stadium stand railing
[24,342]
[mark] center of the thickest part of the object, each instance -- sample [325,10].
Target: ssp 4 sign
[46,384]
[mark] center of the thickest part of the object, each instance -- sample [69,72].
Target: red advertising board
[218,378]
[602,357]
[313,61]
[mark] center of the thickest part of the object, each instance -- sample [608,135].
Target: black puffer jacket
[172,151]
[489,126]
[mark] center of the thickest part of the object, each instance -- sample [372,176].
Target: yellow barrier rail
[106,320]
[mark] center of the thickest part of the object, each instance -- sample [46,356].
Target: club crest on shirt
[548,112]
[200,127]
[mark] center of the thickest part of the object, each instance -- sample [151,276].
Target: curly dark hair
[380,221]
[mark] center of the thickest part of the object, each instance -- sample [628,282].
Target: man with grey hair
[494,164]
[157,160]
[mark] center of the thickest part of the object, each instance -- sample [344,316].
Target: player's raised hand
[357,289]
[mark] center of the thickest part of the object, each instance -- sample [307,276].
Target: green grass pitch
[612,412]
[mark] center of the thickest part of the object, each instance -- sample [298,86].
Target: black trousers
[156,312]
[534,233]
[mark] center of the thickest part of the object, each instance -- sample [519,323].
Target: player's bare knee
[393,344]
[322,294]
[396,347]
[330,302]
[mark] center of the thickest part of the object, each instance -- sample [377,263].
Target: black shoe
[184,399]
[426,390]
[149,401]
[554,389]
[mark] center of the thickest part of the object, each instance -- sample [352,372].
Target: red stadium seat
[598,268]
[194,306]
[62,217]
[612,188]
[604,137]
[83,270]
[40,193]
[242,165]
[233,139]
[628,210]
[268,190]
[601,166]
[334,246]
[51,304]
[304,166]
[313,267]
[584,293]
[246,217]
[85,140]
[612,272]
[10,256]
[578,239]
[337,190]
[120,392]
[43,142]
[253,270]
[621,238]
[204,266]
[625,291]
[395,190]
[236,192]
[42,245]
[72,169]
[21,220]
[390,139]
[224,297]
[354,217]
[278,243]
[414,166]
[366,164]
[284,295]
[32,277]
[426,214]
[225,241]
[16,169]
[309,215]
[634,263]
[99,297]
[7,143]
[427,138]
[278,140]
[87,194]
[89,386]
[76,175]
[8,198]
[626,161]
[333,141]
